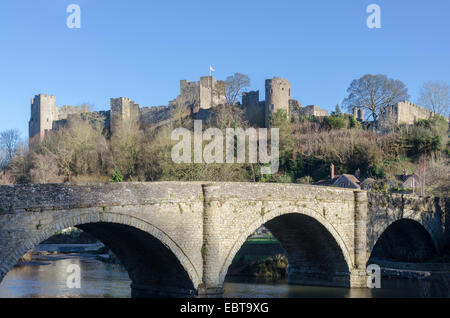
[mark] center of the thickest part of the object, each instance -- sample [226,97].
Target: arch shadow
[156,266]
[405,240]
[316,252]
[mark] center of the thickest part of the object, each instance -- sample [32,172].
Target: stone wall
[403,113]
[431,213]
[153,115]
[313,110]
[253,108]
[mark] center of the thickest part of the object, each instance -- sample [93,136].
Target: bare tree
[375,93]
[9,141]
[435,95]
[235,86]
[422,167]
[45,169]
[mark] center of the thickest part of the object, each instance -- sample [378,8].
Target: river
[46,276]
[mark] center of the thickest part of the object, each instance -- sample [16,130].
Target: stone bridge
[179,238]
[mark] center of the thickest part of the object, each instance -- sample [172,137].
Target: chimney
[332,171]
[357,173]
[355,112]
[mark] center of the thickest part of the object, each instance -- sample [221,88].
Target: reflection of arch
[140,246]
[405,240]
[307,217]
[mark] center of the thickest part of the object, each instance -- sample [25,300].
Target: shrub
[116,176]
[335,122]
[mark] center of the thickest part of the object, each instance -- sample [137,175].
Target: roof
[326,182]
[404,177]
[351,179]
[368,181]
[330,182]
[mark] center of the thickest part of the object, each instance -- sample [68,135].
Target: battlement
[43,113]
[403,112]
[67,110]
[204,94]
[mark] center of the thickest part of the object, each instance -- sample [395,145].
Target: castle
[204,94]
[403,113]
[201,97]
[278,97]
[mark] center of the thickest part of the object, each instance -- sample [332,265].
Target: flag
[211,69]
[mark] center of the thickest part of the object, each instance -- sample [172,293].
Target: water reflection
[46,277]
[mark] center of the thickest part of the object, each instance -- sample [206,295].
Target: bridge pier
[358,274]
[358,278]
[212,246]
[210,292]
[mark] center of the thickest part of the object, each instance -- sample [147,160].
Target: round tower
[278,94]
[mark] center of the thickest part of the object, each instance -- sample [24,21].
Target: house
[409,181]
[343,181]
[347,181]
[368,184]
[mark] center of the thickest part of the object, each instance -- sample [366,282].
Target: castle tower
[278,94]
[43,113]
[123,109]
[253,108]
[361,114]
[206,93]
[212,92]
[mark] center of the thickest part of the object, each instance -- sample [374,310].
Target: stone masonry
[403,113]
[179,238]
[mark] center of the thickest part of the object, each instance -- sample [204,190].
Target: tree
[235,86]
[422,167]
[9,141]
[45,169]
[435,96]
[375,93]
[337,111]
[126,146]
[116,176]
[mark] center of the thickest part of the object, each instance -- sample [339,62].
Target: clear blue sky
[141,49]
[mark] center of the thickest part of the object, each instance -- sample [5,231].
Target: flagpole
[210,78]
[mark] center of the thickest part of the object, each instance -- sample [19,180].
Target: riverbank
[100,251]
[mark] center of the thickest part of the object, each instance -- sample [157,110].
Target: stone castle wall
[313,110]
[403,113]
[254,110]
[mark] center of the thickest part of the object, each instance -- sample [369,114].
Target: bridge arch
[405,239]
[291,228]
[155,264]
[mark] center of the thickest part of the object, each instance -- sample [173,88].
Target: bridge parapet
[69,196]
